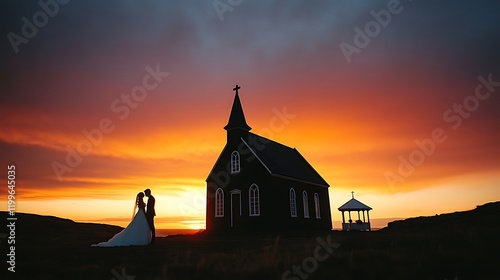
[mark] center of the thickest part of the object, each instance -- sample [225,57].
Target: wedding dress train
[136,233]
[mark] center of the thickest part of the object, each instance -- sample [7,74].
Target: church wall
[274,201]
[273,194]
[251,172]
[284,219]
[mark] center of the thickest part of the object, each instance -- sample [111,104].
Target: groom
[150,214]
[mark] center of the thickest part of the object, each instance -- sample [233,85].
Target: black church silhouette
[258,184]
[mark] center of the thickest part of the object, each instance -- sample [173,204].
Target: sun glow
[351,121]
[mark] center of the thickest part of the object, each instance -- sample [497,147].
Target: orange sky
[352,121]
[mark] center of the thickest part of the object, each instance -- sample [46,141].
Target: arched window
[293,203]
[306,204]
[253,197]
[219,203]
[316,206]
[235,162]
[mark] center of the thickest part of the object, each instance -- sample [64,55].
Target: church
[257,184]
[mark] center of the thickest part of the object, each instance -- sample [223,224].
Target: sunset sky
[425,69]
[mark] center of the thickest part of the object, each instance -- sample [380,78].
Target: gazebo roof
[354,205]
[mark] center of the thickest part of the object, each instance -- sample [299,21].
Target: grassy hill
[461,245]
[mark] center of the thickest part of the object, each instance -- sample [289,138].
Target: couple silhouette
[141,230]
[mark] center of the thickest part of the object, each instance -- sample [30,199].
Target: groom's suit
[150,215]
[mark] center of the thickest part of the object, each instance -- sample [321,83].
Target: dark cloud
[92,52]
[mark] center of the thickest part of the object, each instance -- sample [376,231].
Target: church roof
[237,118]
[282,161]
[354,204]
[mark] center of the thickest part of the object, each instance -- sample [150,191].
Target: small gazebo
[356,206]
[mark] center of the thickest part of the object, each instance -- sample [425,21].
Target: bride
[136,233]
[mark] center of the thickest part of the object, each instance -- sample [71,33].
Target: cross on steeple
[236,88]
[237,118]
[352,194]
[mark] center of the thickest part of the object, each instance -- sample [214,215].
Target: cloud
[352,120]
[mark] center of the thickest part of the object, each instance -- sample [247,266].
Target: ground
[462,245]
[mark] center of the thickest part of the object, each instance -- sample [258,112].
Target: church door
[235,208]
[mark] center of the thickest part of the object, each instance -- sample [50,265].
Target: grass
[463,245]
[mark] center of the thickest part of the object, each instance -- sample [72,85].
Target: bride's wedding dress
[136,233]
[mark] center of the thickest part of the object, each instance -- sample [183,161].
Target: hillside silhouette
[460,245]
[487,214]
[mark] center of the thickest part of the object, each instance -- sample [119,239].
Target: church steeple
[237,118]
